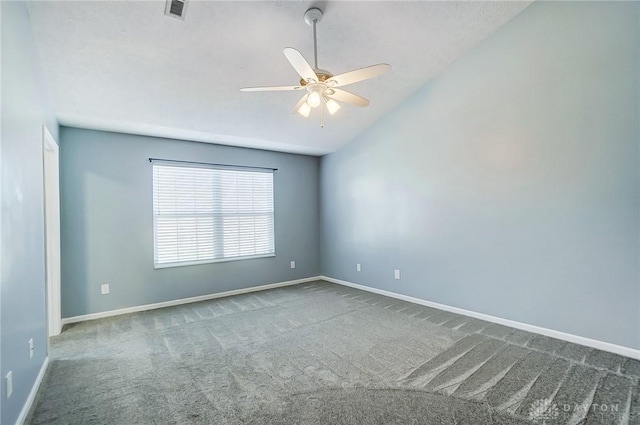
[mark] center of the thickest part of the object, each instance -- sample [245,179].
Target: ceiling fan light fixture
[332,105]
[321,85]
[314,99]
[304,109]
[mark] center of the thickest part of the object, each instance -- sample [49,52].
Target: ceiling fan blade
[348,97]
[299,104]
[300,64]
[359,75]
[274,88]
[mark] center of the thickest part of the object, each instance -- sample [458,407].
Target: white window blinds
[203,215]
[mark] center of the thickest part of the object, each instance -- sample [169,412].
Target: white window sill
[217,260]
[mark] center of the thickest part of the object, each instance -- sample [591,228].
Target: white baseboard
[32,394]
[171,303]
[594,343]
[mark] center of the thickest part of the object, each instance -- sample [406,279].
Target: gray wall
[508,185]
[25,109]
[107,222]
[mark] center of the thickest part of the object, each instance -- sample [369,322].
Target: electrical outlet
[358,268]
[9,383]
[104,288]
[293,264]
[30,348]
[396,274]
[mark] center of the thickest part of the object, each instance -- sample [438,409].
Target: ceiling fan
[321,86]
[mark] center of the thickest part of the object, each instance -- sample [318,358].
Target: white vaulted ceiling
[125,66]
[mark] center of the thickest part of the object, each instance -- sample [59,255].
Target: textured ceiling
[125,66]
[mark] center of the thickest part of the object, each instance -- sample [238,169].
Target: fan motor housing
[322,74]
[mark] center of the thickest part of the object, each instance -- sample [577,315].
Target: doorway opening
[52,231]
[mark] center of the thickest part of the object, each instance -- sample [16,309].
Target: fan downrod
[312,16]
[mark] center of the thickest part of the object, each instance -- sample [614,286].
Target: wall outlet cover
[293,264]
[396,274]
[104,288]
[358,267]
[31,349]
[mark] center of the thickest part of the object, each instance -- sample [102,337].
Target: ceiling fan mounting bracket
[311,15]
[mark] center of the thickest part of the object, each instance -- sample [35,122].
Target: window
[203,215]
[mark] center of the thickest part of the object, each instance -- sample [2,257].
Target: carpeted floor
[320,353]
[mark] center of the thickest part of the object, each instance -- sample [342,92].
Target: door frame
[51,195]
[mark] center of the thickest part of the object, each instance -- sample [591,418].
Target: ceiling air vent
[176,8]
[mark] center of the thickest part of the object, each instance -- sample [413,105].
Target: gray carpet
[325,354]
